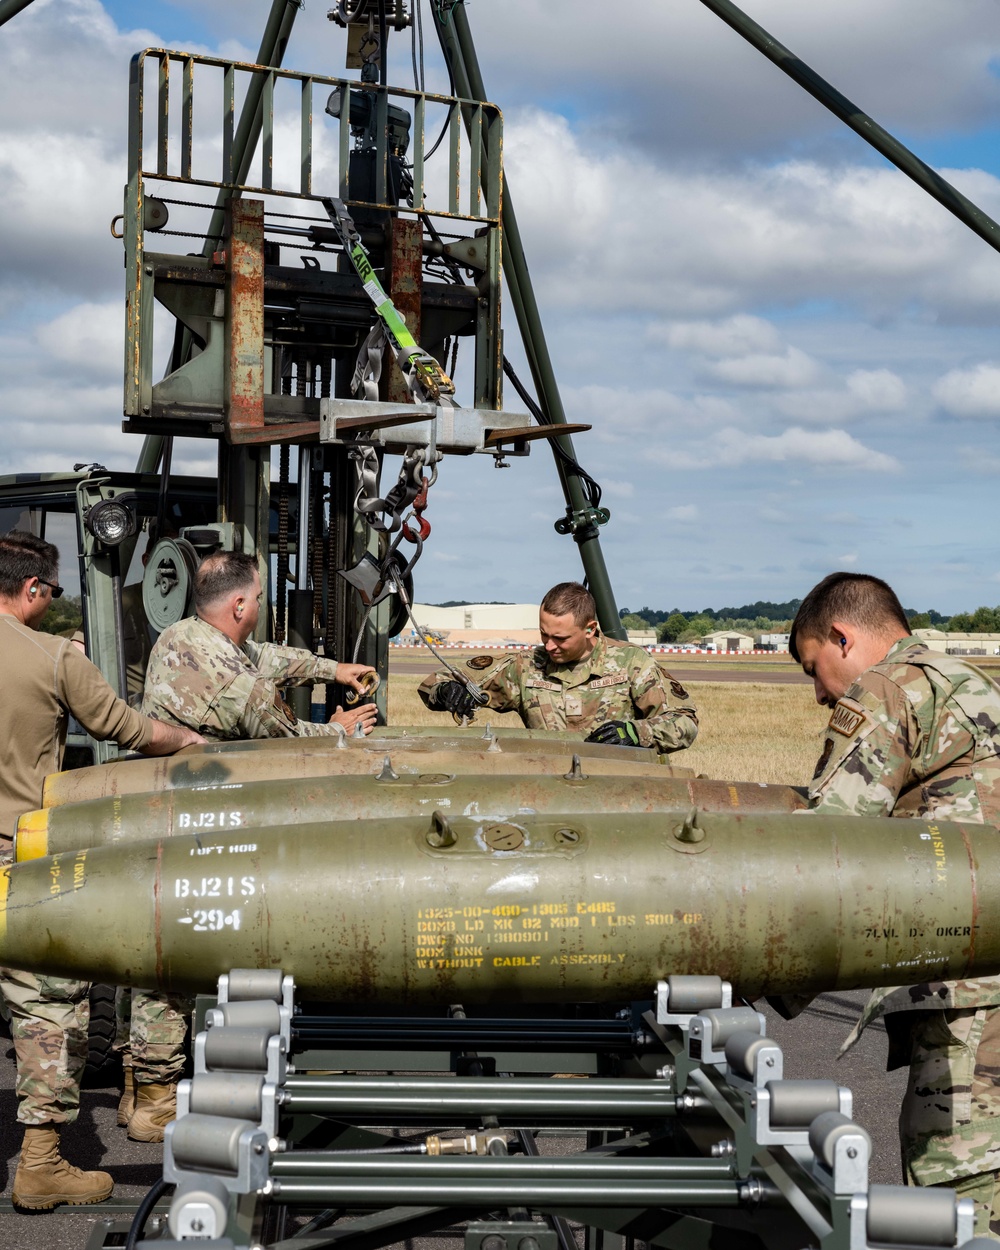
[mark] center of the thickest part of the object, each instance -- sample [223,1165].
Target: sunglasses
[56,590]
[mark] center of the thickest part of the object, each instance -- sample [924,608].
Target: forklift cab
[101,522]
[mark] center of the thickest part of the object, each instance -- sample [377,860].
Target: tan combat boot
[155,1106]
[44,1179]
[126,1104]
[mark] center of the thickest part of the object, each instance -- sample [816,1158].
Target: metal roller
[236,1095]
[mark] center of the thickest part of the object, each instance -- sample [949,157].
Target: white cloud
[979,460]
[683,512]
[971,393]
[792,368]
[866,392]
[618,489]
[87,337]
[912,66]
[734,336]
[877,390]
[729,238]
[623,413]
[732,448]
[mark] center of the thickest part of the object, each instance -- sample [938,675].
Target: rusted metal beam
[405,289]
[244,381]
[528,433]
[299,432]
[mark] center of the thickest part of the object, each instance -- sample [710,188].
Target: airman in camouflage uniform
[206,671]
[199,676]
[580,680]
[917,733]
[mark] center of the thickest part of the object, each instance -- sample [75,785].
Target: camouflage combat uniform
[151,1031]
[616,681]
[919,735]
[200,678]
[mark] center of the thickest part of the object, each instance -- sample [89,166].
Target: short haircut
[24,555]
[222,574]
[570,599]
[858,598]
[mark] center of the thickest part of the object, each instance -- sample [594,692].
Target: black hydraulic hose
[143,1212]
[319,1222]
[383,55]
[592,488]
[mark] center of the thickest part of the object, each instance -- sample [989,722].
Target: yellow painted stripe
[31,841]
[4,883]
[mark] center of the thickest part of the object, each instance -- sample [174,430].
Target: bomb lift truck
[337,275]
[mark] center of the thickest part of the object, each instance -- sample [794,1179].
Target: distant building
[960,644]
[772,642]
[488,624]
[641,637]
[728,640]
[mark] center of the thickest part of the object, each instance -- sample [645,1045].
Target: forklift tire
[103,1027]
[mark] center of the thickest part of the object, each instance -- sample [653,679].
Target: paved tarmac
[810,1044]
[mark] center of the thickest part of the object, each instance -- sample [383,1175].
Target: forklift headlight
[111,522]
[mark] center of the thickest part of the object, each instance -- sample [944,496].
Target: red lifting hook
[417,507]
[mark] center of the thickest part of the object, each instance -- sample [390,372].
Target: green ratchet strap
[427,381]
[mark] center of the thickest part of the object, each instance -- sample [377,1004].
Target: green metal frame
[157,158]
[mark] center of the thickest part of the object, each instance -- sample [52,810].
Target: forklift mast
[352,235]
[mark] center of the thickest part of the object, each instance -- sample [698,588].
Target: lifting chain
[417,512]
[368,370]
[281,571]
[386,514]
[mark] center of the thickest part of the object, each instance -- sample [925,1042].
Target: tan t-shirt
[45,678]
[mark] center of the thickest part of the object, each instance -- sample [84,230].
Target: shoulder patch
[284,709]
[846,720]
[677,690]
[479,662]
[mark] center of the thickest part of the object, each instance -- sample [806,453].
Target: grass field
[748,731]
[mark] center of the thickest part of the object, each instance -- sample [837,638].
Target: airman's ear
[842,635]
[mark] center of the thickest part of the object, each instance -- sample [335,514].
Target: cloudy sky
[789,354]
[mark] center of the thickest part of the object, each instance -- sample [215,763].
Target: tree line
[65,616]
[764,617]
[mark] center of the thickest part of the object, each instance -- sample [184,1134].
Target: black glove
[452,696]
[616,733]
